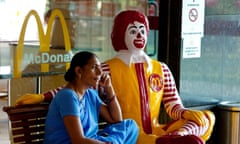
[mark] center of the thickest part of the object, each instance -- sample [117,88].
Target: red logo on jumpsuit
[155,82]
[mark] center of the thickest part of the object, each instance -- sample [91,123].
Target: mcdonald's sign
[43,58]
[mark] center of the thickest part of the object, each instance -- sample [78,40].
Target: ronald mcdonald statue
[142,84]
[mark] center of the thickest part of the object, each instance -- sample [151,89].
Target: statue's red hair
[121,21]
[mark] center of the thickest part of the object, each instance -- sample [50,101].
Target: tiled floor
[4,132]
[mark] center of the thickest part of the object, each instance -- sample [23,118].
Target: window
[216,73]
[12,13]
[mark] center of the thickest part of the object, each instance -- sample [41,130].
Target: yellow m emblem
[44,40]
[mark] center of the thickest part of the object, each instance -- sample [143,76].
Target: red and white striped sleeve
[49,95]
[171,98]
[105,68]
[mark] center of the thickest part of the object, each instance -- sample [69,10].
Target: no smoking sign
[193,15]
[193,18]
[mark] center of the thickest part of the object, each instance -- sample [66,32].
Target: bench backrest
[27,122]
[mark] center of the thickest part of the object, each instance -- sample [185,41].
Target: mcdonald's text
[45,58]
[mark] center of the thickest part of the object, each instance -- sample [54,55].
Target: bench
[27,123]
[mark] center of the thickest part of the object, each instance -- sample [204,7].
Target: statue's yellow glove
[30,99]
[197,116]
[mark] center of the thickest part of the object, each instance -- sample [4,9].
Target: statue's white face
[136,37]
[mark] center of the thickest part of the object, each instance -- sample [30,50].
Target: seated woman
[74,113]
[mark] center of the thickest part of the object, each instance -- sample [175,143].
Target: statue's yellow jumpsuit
[141,88]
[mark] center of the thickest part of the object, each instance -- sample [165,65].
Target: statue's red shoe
[173,139]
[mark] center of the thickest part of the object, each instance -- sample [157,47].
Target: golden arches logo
[44,39]
[155,82]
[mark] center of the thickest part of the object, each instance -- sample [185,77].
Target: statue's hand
[197,116]
[30,99]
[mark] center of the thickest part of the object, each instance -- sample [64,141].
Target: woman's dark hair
[80,59]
